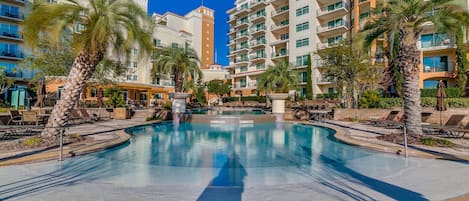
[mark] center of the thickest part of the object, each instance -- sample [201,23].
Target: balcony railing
[18,54]
[443,67]
[257,42]
[7,14]
[327,9]
[279,54]
[332,27]
[438,43]
[240,85]
[10,35]
[257,56]
[276,27]
[257,29]
[279,12]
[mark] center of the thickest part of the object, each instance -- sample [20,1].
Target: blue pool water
[229,112]
[271,161]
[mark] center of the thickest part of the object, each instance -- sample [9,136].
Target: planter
[121,113]
[278,102]
[179,102]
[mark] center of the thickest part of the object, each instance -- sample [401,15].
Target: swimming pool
[271,161]
[229,112]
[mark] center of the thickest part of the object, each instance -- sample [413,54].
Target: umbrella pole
[441,122]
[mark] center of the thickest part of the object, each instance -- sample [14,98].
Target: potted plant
[116,99]
[276,82]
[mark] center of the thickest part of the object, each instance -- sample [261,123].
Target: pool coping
[344,136]
[121,137]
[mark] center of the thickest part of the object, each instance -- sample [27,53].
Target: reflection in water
[229,184]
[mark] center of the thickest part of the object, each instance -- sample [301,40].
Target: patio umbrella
[440,99]
[100,97]
[41,93]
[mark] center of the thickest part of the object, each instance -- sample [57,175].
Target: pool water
[271,161]
[230,112]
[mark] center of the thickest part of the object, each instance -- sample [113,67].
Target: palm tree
[407,18]
[106,25]
[181,63]
[279,78]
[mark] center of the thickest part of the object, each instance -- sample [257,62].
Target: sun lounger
[455,132]
[76,117]
[86,117]
[389,120]
[15,117]
[453,123]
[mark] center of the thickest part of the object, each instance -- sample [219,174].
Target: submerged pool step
[224,122]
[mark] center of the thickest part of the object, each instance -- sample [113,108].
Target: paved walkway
[99,136]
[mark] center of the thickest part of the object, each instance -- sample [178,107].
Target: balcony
[280,27]
[242,24]
[241,48]
[257,30]
[257,43]
[280,13]
[241,61]
[243,36]
[12,16]
[363,4]
[433,45]
[336,29]
[257,18]
[241,11]
[11,55]
[331,12]
[244,85]
[17,2]
[11,36]
[277,3]
[442,67]
[280,55]
[280,42]
[324,81]
[257,57]
[258,3]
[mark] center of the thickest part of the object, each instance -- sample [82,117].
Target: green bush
[386,103]
[370,99]
[116,98]
[168,105]
[450,92]
[436,142]
[31,142]
[330,96]
[245,98]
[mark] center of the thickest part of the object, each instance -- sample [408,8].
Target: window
[79,27]
[284,22]
[93,92]
[260,53]
[10,50]
[436,64]
[243,45]
[284,36]
[129,77]
[8,68]
[302,42]
[260,13]
[9,30]
[157,42]
[243,20]
[243,69]
[135,77]
[335,23]
[244,6]
[10,11]
[302,11]
[260,40]
[334,40]
[304,77]
[260,26]
[243,32]
[302,60]
[134,51]
[335,6]
[174,45]
[244,57]
[434,40]
[302,26]
[260,66]
[364,16]
[432,84]
[242,82]
[135,64]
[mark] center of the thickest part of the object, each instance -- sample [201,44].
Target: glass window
[431,84]
[302,26]
[284,36]
[302,60]
[435,64]
[302,42]
[243,69]
[260,66]
[302,11]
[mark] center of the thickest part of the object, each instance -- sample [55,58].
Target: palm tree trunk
[408,62]
[178,82]
[82,69]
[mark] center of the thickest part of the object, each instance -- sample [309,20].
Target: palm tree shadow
[70,173]
[229,183]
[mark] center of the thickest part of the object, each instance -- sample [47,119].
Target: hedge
[450,92]
[386,103]
[330,96]
[245,98]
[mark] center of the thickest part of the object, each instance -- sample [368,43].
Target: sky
[182,7]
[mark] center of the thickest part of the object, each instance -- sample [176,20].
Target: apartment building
[263,32]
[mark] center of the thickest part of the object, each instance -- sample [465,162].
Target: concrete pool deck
[43,182]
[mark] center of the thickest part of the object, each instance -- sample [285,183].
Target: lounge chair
[76,117]
[456,132]
[453,123]
[390,119]
[86,116]
[30,117]
[15,117]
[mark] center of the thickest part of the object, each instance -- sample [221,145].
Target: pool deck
[364,136]
[100,136]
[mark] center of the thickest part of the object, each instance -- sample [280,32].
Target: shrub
[151,119]
[386,103]
[168,105]
[32,142]
[450,92]
[115,97]
[245,98]
[370,99]
[77,137]
[330,96]
[436,142]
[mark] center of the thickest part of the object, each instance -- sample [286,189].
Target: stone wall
[368,114]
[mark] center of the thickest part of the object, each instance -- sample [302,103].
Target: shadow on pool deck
[229,184]
[69,173]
